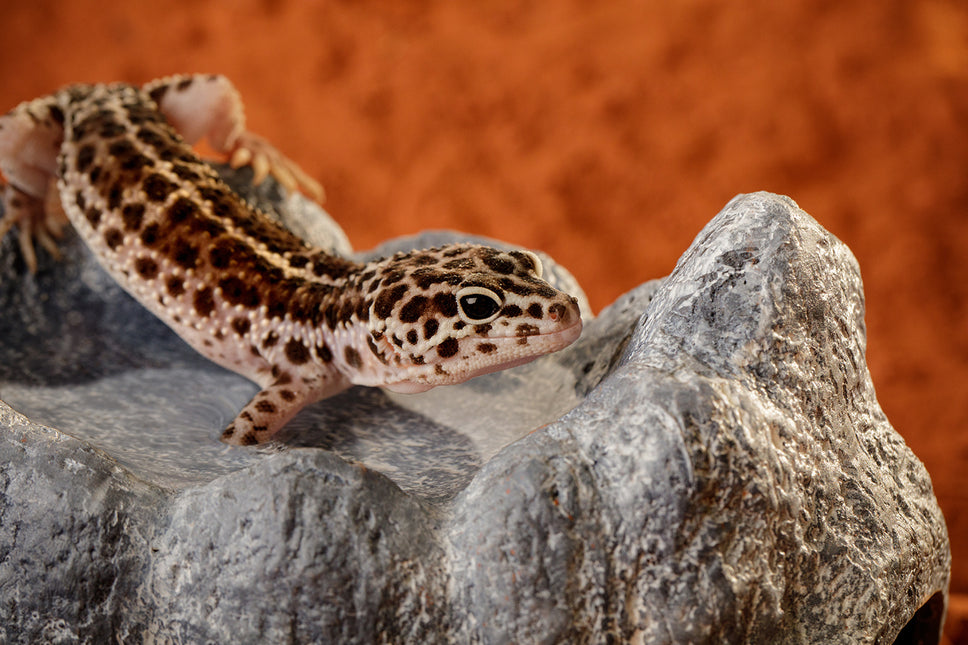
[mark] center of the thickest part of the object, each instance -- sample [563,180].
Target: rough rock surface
[708,463]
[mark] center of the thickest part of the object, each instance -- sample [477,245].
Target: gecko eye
[478,305]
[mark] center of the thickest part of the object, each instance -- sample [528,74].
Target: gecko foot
[252,150]
[37,219]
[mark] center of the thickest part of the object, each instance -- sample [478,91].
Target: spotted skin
[116,162]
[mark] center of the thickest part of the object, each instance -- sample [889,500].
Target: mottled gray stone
[708,463]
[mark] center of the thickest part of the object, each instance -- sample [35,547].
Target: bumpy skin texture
[240,289]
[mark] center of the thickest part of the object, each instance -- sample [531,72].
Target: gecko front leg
[275,404]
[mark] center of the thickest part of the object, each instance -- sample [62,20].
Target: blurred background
[606,134]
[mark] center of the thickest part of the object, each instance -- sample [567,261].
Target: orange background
[606,134]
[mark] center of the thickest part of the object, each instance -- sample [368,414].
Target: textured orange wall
[607,134]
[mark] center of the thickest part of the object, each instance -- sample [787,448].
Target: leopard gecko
[117,162]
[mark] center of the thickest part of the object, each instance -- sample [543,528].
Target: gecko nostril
[558,312]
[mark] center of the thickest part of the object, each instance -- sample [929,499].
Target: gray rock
[708,463]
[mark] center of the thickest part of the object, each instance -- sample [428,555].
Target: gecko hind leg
[208,106]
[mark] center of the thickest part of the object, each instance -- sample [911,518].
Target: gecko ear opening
[538,268]
[478,305]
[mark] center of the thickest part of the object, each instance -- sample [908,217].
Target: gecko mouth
[548,343]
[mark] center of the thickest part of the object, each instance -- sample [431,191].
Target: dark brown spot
[439,370]
[482,329]
[111,129]
[228,432]
[511,311]
[113,238]
[56,114]
[157,188]
[122,148]
[175,286]
[352,357]
[460,263]
[267,407]
[323,352]
[412,336]
[181,210]
[416,360]
[203,302]
[426,277]
[85,156]
[184,254]
[524,329]
[137,162]
[93,216]
[383,306]
[363,310]
[220,254]
[185,172]
[149,236]
[298,261]
[237,292]
[325,264]
[114,195]
[150,137]
[499,264]
[296,352]
[544,291]
[249,439]
[448,348]
[158,93]
[287,395]
[277,302]
[414,309]
[423,260]
[146,268]
[445,304]
[486,348]
[270,340]
[80,201]
[241,326]
[430,328]
[133,216]
[184,84]
[535,310]
[516,287]
[393,276]
[558,311]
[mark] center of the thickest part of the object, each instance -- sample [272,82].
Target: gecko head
[444,315]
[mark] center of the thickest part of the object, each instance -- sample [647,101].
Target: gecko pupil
[478,306]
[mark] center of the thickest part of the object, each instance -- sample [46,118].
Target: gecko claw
[37,221]
[252,150]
